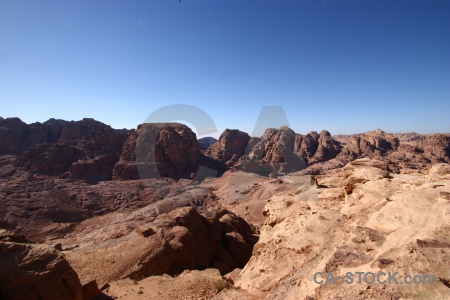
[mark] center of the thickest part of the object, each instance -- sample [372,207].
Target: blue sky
[344,66]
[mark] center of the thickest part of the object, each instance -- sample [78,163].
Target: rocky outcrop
[159,150]
[372,143]
[282,150]
[388,223]
[85,149]
[227,150]
[437,145]
[307,145]
[49,158]
[12,135]
[29,271]
[166,237]
[17,136]
[186,239]
[91,157]
[273,153]
[206,142]
[191,284]
[327,148]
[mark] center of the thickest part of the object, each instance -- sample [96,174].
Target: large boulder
[30,271]
[188,239]
[165,237]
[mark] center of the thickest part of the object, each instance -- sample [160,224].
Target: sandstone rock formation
[154,150]
[185,239]
[90,150]
[206,142]
[85,149]
[370,143]
[227,150]
[388,223]
[12,135]
[378,202]
[282,150]
[191,284]
[17,136]
[30,271]
[166,243]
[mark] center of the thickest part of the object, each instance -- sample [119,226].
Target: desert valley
[92,212]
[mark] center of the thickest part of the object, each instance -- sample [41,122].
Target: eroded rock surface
[29,271]
[159,150]
[388,223]
[184,238]
[227,150]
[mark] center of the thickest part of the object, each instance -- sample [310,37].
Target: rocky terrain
[151,213]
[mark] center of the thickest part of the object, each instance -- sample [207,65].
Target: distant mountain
[205,142]
[93,151]
[1,118]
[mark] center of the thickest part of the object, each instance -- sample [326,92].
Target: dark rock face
[188,239]
[327,148]
[153,150]
[12,135]
[85,149]
[206,142]
[230,147]
[100,154]
[48,158]
[17,136]
[30,271]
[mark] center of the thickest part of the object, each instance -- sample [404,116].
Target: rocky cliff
[154,150]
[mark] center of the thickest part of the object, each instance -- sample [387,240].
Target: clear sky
[344,66]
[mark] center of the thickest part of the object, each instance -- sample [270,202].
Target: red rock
[228,149]
[189,239]
[153,150]
[30,271]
